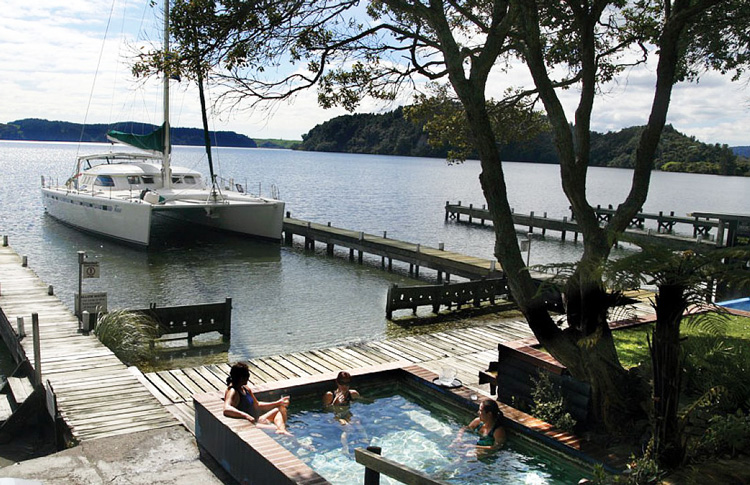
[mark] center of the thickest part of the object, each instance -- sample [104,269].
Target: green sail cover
[153,141]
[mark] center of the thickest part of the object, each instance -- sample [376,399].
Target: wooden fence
[193,319]
[449,294]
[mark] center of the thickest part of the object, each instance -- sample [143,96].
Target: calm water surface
[286,299]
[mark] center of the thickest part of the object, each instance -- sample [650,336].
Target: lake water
[285,299]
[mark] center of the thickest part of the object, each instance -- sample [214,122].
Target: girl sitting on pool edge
[240,402]
[488,425]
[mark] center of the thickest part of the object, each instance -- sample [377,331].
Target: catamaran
[120,194]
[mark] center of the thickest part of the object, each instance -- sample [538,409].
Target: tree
[683,280]
[256,49]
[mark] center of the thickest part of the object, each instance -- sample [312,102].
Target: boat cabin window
[104,181]
[189,179]
[147,179]
[134,179]
[176,180]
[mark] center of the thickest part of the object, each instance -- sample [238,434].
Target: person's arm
[354,394]
[471,426]
[327,398]
[231,401]
[264,406]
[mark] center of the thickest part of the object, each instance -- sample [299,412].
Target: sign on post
[90,269]
[92,303]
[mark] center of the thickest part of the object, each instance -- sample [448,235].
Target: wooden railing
[376,464]
[193,319]
[449,294]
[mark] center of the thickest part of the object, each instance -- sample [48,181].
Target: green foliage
[641,471]
[548,404]
[382,134]
[718,361]
[726,434]
[127,334]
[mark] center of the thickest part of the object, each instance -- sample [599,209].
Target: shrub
[127,334]
[548,404]
[726,434]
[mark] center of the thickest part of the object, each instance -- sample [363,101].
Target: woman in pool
[488,425]
[240,402]
[343,395]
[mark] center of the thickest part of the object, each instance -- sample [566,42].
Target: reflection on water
[285,299]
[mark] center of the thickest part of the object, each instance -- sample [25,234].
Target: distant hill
[391,134]
[44,130]
[742,151]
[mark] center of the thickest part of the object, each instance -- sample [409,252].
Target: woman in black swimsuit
[240,402]
[343,395]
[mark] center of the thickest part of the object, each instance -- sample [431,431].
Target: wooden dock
[416,255]
[663,235]
[97,395]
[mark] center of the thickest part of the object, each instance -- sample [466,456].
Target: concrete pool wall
[251,456]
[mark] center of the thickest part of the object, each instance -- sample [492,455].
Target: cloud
[51,50]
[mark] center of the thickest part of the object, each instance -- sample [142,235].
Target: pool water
[416,430]
[738,304]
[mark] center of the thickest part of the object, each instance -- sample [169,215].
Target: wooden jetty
[663,235]
[416,255]
[96,394]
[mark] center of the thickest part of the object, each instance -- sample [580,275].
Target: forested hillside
[43,130]
[392,134]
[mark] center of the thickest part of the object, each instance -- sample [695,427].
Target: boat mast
[166,170]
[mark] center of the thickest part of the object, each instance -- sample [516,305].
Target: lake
[284,298]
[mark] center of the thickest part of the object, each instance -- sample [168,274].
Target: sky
[55,64]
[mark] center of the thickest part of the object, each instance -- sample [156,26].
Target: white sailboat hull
[124,216]
[119,219]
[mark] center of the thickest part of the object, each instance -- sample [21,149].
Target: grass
[632,347]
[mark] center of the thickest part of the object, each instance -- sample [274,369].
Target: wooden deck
[97,395]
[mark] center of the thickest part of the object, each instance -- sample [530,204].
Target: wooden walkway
[444,262]
[97,395]
[664,235]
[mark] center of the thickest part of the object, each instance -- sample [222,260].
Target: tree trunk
[666,360]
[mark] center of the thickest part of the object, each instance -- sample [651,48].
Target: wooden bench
[510,377]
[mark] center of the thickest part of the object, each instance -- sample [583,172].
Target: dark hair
[239,373]
[343,376]
[491,407]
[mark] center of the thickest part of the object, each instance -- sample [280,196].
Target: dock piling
[37,349]
[25,261]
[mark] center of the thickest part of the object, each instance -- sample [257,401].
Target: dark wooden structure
[193,319]
[453,294]
[701,225]
[511,377]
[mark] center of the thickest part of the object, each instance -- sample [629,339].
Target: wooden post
[5,241]
[360,256]
[531,222]
[544,227]
[371,476]
[50,290]
[388,302]
[565,221]
[351,254]
[471,208]
[390,265]
[21,327]
[37,349]
[447,202]
[24,261]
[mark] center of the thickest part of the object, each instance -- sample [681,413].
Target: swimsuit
[247,403]
[341,399]
[489,438]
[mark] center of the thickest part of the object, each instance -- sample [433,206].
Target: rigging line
[96,74]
